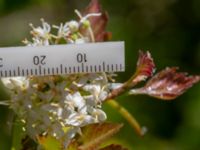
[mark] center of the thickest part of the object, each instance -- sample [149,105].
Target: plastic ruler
[62,59]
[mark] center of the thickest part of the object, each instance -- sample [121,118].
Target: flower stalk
[127,115]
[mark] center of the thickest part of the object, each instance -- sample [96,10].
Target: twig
[121,90]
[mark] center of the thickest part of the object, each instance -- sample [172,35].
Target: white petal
[90,100]
[73,25]
[7,83]
[78,100]
[74,119]
[46,27]
[15,82]
[103,95]
[93,88]
[99,114]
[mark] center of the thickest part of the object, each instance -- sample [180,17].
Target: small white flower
[63,30]
[43,31]
[86,17]
[15,82]
[99,115]
[97,91]
[79,120]
[73,26]
[76,100]
[40,42]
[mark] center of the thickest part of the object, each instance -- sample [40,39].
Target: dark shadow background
[169,29]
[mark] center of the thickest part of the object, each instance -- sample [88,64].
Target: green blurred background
[169,29]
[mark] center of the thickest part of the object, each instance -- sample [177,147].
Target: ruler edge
[59,45]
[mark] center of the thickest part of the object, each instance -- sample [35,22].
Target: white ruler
[62,59]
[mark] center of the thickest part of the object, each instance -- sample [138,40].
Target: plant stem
[91,34]
[131,120]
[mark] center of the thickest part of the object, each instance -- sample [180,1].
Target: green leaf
[49,143]
[94,135]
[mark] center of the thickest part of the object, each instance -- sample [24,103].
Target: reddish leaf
[98,23]
[167,84]
[145,67]
[94,135]
[113,147]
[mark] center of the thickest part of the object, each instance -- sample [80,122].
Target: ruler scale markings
[103,66]
[10,73]
[44,71]
[74,69]
[121,67]
[66,70]
[69,69]
[31,71]
[27,72]
[82,66]
[61,59]
[18,71]
[91,68]
[52,71]
[5,73]
[40,70]
[48,70]
[87,68]
[35,71]
[108,68]
[99,68]
[23,72]
[57,70]
[14,74]
[112,67]
[61,68]
[116,67]
[95,68]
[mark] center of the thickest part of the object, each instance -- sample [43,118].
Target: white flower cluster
[58,105]
[69,32]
